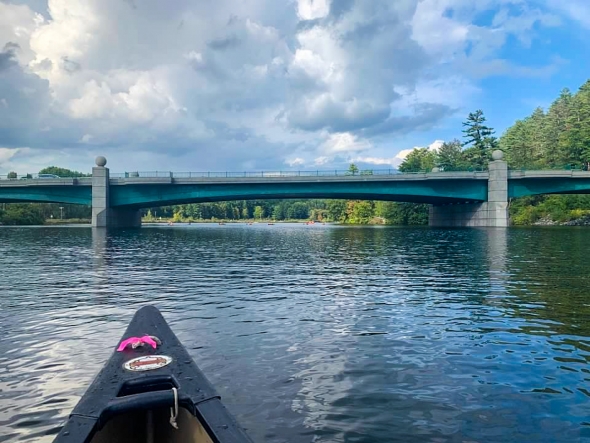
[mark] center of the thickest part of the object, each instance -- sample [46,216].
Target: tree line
[321,210]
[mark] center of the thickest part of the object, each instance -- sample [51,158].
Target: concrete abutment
[103,216]
[493,213]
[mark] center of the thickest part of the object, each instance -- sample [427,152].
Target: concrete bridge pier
[103,216]
[493,213]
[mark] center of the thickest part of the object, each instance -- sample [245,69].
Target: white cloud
[321,161]
[295,162]
[399,157]
[312,9]
[343,143]
[234,85]
[578,10]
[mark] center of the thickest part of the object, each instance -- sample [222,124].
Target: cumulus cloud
[398,159]
[253,84]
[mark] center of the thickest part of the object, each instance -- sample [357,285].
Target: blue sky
[267,84]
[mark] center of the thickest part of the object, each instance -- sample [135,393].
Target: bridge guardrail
[256,174]
[271,174]
[36,177]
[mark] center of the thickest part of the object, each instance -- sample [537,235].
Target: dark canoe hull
[117,391]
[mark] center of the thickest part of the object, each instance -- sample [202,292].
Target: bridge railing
[38,176]
[246,174]
[271,174]
[568,167]
[250,174]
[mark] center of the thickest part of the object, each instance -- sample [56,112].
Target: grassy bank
[68,221]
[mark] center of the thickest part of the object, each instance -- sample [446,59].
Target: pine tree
[578,126]
[516,143]
[536,137]
[480,136]
[556,142]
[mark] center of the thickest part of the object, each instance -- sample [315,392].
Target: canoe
[150,395]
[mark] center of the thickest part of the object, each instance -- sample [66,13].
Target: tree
[22,214]
[403,213]
[62,172]
[12,175]
[298,210]
[359,212]
[420,159]
[337,210]
[278,213]
[516,143]
[353,169]
[258,212]
[578,126]
[450,156]
[480,137]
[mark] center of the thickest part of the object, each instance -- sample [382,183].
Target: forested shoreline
[554,139]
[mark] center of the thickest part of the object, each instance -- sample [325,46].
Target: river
[314,333]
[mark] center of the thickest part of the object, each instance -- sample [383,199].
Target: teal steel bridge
[141,190]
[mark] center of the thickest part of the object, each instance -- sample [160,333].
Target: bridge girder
[431,191]
[77,195]
[538,186]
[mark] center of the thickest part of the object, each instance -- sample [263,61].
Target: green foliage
[480,137]
[353,169]
[336,210]
[558,208]
[359,212]
[12,175]
[298,210]
[258,212]
[21,214]
[419,160]
[553,139]
[62,172]
[450,156]
[403,213]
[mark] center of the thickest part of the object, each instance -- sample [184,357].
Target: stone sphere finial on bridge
[497,155]
[100,161]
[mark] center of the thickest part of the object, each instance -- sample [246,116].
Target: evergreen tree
[480,137]
[516,143]
[556,142]
[353,169]
[578,126]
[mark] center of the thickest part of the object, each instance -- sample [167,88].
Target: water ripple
[323,334]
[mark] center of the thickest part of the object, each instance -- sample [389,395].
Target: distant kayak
[150,390]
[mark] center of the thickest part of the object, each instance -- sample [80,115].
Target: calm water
[314,333]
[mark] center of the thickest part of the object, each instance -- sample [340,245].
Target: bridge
[457,198]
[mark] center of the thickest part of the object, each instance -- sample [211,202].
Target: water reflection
[313,333]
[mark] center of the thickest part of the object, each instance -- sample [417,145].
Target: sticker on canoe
[147,363]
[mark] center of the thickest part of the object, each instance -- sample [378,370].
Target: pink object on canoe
[137,341]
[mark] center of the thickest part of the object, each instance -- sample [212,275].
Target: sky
[225,85]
